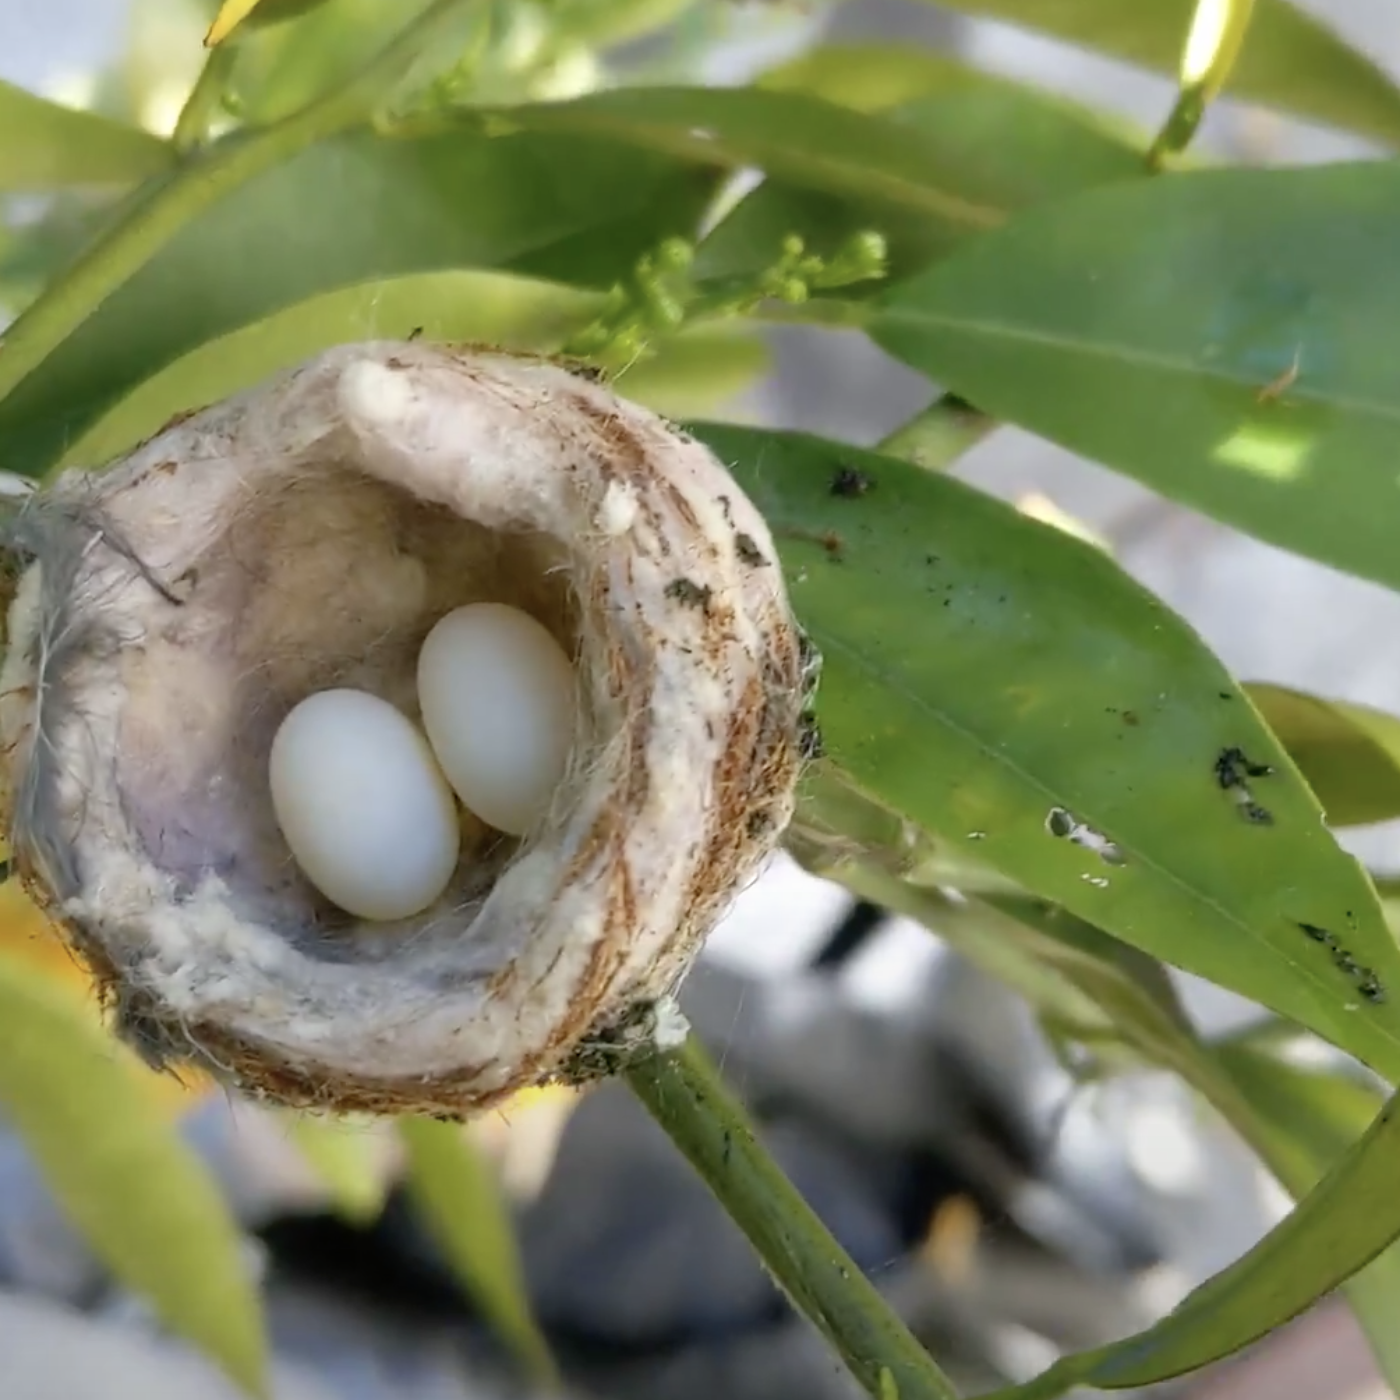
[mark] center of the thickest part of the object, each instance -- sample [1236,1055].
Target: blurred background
[1009,1209]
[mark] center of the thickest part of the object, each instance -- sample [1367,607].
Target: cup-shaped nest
[168,613]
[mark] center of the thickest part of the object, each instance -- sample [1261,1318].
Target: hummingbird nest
[168,612]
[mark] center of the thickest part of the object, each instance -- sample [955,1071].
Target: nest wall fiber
[169,611]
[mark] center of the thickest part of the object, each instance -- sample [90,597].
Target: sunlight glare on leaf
[1265,451]
[231,14]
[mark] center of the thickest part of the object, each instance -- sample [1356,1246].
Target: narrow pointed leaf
[347,211]
[479,307]
[1290,60]
[1096,988]
[1350,754]
[1312,1119]
[1010,689]
[1334,1232]
[698,371]
[117,1167]
[1000,145]
[692,372]
[1223,336]
[230,15]
[235,13]
[44,146]
[809,143]
[869,77]
[346,1156]
[454,1189]
[1100,991]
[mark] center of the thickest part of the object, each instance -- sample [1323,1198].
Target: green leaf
[836,825]
[1308,1121]
[233,13]
[1011,690]
[877,77]
[997,144]
[1341,1232]
[349,210]
[693,372]
[1223,336]
[1335,1231]
[46,146]
[811,143]
[1289,61]
[896,79]
[344,1155]
[453,1187]
[482,307]
[1350,754]
[31,253]
[698,371]
[1101,992]
[138,1193]
[283,66]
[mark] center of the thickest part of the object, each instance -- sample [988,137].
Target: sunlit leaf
[139,1194]
[46,146]
[1104,995]
[698,371]
[999,144]
[1011,690]
[482,307]
[233,13]
[346,1157]
[281,68]
[1350,754]
[1311,1119]
[352,210]
[453,1187]
[1220,335]
[1290,60]
[694,372]
[814,144]
[27,936]
[1335,1231]
[888,77]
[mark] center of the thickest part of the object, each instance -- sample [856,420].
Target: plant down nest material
[168,612]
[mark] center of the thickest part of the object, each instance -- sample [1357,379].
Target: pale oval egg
[366,811]
[497,694]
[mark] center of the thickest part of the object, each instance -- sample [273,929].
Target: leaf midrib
[1135,356]
[829,642]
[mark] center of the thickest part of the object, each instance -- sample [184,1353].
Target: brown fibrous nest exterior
[167,612]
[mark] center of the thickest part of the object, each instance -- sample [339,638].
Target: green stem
[160,211]
[192,126]
[938,436]
[682,1090]
[1213,44]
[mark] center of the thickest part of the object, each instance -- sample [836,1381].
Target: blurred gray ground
[1270,616]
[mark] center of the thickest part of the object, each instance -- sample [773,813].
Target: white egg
[364,807]
[497,695]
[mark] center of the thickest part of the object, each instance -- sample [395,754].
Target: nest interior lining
[338,588]
[309,534]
